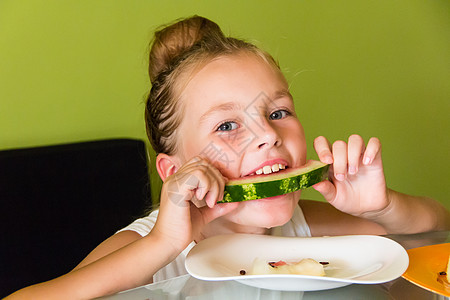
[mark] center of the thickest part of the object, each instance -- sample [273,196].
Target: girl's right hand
[188,203]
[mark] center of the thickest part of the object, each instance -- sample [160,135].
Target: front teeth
[270,169]
[267,170]
[276,168]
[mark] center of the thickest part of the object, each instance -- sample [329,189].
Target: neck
[222,226]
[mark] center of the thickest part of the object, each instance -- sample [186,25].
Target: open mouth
[268,169]
[275,183]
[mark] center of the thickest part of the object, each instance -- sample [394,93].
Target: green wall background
[76,70]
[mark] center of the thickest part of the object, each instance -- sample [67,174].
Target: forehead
[233,81]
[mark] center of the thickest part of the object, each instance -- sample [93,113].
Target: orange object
[426,264]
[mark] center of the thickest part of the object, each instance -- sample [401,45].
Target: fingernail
[366,160]
[351,170]
[340,177]
[329,159]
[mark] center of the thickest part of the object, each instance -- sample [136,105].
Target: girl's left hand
[356,182]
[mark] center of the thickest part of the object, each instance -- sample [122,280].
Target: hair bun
[172,40]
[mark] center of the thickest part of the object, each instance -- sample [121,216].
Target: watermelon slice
[275,184]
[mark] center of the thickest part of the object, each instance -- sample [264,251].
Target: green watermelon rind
[279,185]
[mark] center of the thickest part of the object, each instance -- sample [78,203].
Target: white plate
[360,259]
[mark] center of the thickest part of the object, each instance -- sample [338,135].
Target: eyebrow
[228,106]
[281,94]
[233,106]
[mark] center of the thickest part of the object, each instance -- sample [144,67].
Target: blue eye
[279,114]
[227,126]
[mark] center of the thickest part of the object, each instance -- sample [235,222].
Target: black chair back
[57,203]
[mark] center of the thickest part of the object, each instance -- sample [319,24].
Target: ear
[166,165]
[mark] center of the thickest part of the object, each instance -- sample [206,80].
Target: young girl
[220,108]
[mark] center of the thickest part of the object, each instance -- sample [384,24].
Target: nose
[267,136]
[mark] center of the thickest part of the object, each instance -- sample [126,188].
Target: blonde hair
[176,50]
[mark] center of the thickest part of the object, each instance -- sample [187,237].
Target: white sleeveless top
[296,226]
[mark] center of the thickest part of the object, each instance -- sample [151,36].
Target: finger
[180,188]
[217,186]
[213,194]
[355,151]
[198,202]
[204,182]
[209,184]
[322,147]
[373,151]
[218,175]
[340,160]
[192,182]
[210,189]
[327,189]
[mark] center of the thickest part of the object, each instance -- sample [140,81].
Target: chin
[268,212]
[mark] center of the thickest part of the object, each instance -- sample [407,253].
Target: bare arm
[357,187]
[110,245]
[130,266]
[420,214]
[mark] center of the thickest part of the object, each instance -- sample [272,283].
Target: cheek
[236,142]
[294,138]
[227,165]
[217,152]
[189,150]
[298,129]
[224,155]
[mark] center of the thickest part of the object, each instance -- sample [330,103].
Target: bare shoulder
[325,219]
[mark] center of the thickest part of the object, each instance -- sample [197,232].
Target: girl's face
[240,115]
